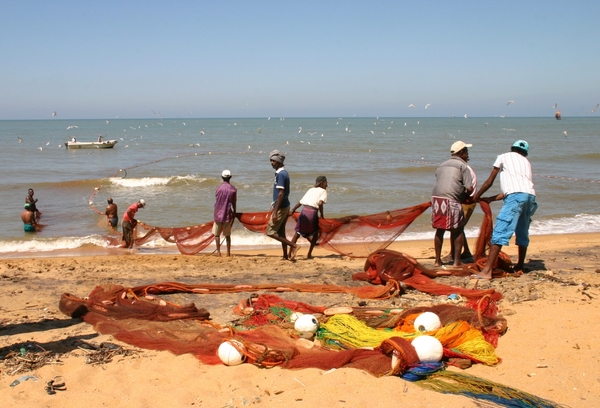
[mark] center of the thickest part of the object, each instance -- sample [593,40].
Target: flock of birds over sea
[348,129]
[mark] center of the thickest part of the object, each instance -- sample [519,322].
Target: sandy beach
[550,349]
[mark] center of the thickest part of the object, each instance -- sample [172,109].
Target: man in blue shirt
[280,207]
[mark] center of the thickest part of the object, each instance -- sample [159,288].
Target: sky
[204,59]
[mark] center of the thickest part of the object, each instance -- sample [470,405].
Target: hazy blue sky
[246,58]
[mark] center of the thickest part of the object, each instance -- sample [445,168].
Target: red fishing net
[139,317]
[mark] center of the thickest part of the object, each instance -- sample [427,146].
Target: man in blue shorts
[280,207]
[518,194]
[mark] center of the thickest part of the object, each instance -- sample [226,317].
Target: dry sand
[550,349]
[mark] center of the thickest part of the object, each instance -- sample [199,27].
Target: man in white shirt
[308,221]
[518,194]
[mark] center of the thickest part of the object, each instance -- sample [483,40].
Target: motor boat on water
[105,144]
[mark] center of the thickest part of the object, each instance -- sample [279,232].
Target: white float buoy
[229,354]
[429,349]
[427,321]
[306,324]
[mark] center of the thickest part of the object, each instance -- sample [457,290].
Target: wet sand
[550,349]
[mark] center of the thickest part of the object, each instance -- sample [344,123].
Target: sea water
[372,165]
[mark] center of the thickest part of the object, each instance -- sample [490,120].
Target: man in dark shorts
[308,221]
[112,214]
[129,223]
[280,207]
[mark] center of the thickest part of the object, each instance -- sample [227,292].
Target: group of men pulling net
[376,340]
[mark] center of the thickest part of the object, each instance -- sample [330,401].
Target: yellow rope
[345,331]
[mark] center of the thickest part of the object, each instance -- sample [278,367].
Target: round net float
[429,349]
[427,321]
[294,316]
[338,310]
[306,324]
[229,354]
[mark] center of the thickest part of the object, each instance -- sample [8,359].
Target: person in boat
[453,183]
[224,214]
[280,206]
[518,194]
[112,213]
[32,204]
[73,140]
[312,202]
[100,139]
[129,223]
[28,218]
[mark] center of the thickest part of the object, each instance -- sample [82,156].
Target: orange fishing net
[354,236]
[139,317]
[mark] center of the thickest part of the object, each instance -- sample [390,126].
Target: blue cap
[521,144]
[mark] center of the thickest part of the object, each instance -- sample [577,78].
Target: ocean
[372,165]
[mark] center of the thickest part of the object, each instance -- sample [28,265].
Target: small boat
[557,115]
[105,144]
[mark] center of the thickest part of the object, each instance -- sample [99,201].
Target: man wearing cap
[280,207]
[129,223]
[308,221]
[518,194]
[454,183]
[226,198]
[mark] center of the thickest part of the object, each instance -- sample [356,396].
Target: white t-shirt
[515,173]
[313,196]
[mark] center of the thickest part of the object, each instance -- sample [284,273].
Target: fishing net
[139,316]
[385,265]
[265,335]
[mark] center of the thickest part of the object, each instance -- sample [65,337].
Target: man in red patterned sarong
[453,185]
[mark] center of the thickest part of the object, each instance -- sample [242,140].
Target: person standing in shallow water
[307,225]
[28,218]
[518,194]
[112,213]
[129,223]
[32,204]
[280,207]
[224,215]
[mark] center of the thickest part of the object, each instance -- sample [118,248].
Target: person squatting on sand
[31,201]
[453,184]
[112,213]
[518,195]
[129,223]
[28,218]
[225,207]
[308,221]
[280,207]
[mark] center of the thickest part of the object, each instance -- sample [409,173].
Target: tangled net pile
[379,343]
